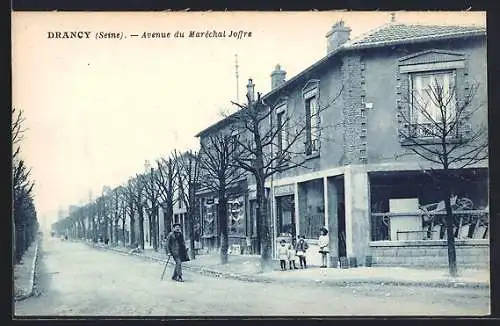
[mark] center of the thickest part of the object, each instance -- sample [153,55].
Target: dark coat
[301,246]
[176,246]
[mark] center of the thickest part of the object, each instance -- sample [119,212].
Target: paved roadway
[79,281]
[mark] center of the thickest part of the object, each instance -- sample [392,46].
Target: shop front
[285,221]
[408,226]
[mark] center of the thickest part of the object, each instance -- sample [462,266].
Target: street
[76,280]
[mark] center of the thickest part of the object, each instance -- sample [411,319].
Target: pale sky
[97,109]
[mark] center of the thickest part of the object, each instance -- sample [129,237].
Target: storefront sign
[284,190]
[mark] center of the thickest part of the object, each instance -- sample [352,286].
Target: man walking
[176,247]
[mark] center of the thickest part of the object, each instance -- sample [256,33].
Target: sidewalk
[247,268]
[24,273]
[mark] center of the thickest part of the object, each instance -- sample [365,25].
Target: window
[282,134]
[433,103]
[285,215]
[312,125]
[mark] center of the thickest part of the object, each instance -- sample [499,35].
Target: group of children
[289,252]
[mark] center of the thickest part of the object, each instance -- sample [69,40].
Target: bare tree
[130,209]
[152,197]
[271,143]
[188,170]
[138,186]
[17,130]
[24,219]
[166,181]
[115,213]
[219,174]
[437,118]
[122,211]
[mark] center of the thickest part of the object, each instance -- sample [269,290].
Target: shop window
[285,216]
[236,216]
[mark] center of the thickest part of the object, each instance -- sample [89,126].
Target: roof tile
[399,32]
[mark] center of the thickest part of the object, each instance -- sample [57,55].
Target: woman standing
[323,242]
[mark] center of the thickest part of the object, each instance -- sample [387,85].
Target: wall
[381,68]
[429,253]
[331,118]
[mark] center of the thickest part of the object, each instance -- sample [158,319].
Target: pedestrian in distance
[283,254]
[300,248]
[176,247]
[292,256]
[323,242]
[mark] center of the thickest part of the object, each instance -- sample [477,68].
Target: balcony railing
[468,224]
[429,130]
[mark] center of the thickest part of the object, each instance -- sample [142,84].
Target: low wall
[429,253]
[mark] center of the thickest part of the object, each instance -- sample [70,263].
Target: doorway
[341,230]
[285,206]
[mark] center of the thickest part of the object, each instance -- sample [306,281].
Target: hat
[283,241]
[176,224]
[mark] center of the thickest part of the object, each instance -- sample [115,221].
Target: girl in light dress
[323,242]
[283,254]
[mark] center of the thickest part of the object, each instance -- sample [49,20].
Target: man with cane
[176,248]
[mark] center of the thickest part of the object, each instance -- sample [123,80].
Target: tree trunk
[222,214]
[191,230]
[84,230]
[150,225]
[115,230]
[123,232]
[155,227]
[112,231]
[264,231]
[132,231]
[141,229]
[167,217]
[450,235]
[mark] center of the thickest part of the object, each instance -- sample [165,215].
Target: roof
[219,124]
[402,33]
[385,35]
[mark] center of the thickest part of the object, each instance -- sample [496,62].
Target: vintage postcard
[183,164]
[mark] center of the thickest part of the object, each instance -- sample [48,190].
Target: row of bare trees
[24,217]
[141,197]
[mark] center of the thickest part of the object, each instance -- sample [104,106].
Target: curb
[32,278]
[338,282]
[198,269]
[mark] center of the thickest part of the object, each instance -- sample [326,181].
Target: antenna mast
[237,80]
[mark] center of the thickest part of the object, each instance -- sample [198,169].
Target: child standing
[291,256]
[300,249]
[283,254]
[323,242]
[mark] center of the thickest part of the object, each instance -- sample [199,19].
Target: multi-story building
[360,178]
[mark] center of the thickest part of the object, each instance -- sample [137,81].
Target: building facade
[360,177]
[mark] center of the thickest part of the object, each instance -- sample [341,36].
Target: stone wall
[429,253]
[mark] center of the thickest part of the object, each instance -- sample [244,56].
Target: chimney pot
[277,77]
[250,90]
[337,36]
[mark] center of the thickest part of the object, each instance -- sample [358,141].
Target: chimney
[250,90]
[277,77]
[338,35]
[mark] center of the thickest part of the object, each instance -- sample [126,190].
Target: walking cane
[165,268]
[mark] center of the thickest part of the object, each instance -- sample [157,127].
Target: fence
[468,224]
